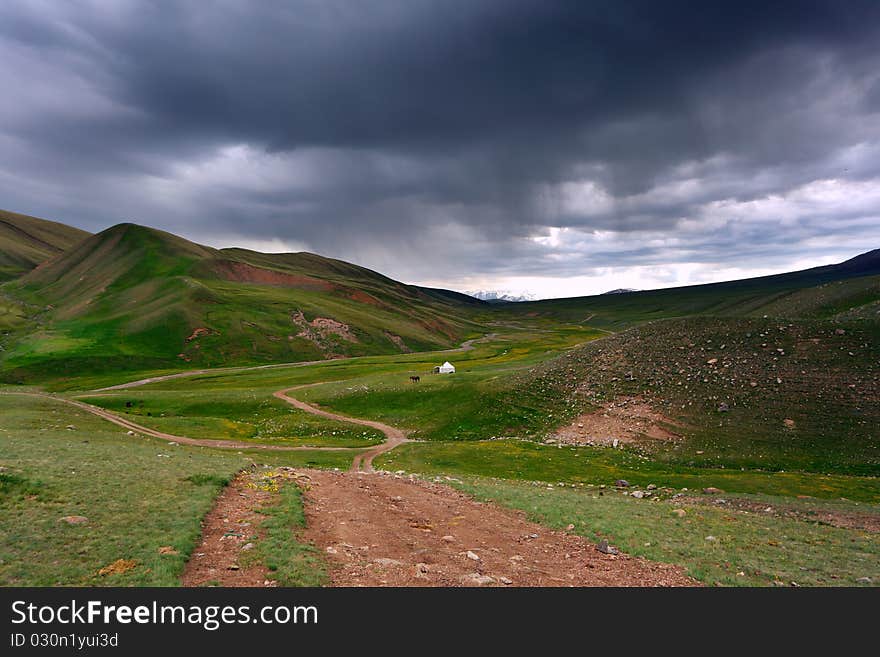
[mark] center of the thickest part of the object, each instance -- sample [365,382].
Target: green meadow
[772,386]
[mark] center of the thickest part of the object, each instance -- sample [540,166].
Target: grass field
[468,404]
[138,495]
[747,550]
[234,416]
[525,460]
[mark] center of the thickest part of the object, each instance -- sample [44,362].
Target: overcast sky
[557,148]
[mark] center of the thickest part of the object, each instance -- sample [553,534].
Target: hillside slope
[133,297]
[851,287]
[26,241]
[758,393]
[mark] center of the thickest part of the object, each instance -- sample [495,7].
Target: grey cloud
[379,130]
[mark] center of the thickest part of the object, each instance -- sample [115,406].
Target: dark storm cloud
[377,130]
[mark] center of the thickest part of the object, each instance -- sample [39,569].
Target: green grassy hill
[850,288]
[25,242]
[135,298]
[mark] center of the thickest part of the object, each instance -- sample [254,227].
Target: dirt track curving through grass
[363,458]
[467,345]
[208,442]
[363,461]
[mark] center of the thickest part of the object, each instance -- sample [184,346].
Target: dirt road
[362,457]
[199,442]
[386,530]
[363,460]
[467,345]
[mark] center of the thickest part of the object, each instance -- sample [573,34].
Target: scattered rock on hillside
[621,483]
[637,494]
[604,548]
[723,407]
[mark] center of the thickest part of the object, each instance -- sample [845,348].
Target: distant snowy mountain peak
[500,296]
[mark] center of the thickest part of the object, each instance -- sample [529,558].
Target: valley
[724,434]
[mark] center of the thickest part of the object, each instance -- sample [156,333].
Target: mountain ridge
[134,297]
[26,242]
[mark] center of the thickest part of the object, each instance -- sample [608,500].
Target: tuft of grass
[12,485]
[290,562]
[208,480]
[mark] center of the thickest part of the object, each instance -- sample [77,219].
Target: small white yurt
[446,368]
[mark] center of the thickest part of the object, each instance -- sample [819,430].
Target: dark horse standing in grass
[415,379]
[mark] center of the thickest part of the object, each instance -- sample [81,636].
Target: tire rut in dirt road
[227,529]
[385,530]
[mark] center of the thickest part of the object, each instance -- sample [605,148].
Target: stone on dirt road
[476,579]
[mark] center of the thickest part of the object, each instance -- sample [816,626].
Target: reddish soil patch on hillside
[241,272]
[323,332]
[438,326]
[627,420]
[200,333]
[362,297]
[385,530]
[398,342]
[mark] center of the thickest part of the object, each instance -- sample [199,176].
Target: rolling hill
[26,241]
[850,288]
[136,298]
[133,297]
[751,392]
